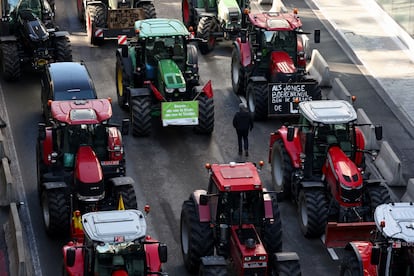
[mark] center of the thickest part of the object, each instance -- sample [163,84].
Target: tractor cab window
[344,138]
[10,6]
[31,5]
[246,207]
[280,41]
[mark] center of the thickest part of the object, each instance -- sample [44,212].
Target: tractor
[157,74]
[390,250]
[114,243]
[111,18]
[80,163]
[28,35]
[268,65]
[212,20]
[320,164]
[234,227]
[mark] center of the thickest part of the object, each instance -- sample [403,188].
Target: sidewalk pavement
[385,50]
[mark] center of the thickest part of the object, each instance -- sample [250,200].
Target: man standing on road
[243,123]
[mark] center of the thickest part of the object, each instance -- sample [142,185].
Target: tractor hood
[282,67]
[229,13]
[170,74]
[34,27]
[346,172]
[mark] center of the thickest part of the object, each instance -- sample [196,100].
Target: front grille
[351,195]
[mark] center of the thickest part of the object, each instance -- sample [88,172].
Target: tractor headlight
[182,89]
[169,90]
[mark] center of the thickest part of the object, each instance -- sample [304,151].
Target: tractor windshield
[11,5]
[128,257]
[165,48]
[281,41]
[241,207]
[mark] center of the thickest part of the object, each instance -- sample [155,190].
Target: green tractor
[213,20]
[157,74]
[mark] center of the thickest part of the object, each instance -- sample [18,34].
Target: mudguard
[203,210]
[136,92]
[293,148]
[151,254]
[360,145]
[267,201]
[115,144]
[47,144]
[122,181]
[8,38]
[77,268]
[244,52]
[61,34]
[362,250]
[54,185]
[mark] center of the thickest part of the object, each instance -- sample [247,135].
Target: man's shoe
[247,153]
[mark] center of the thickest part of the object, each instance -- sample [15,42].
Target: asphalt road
[170,164]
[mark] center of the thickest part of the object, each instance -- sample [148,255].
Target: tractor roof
[328,111]
[275,21]
[398,218]
[236,177]
[160,27]
[114,226]
[81,111]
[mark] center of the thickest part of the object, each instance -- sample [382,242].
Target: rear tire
[313,212]
[95,19]
[257,93]
[55,212]
[10,61]
[350,265]
[237,73]
[204,30]
[141,115]
[281,170]
[272,232]
[149,10]
[196,237]
[205,115]
[128,196]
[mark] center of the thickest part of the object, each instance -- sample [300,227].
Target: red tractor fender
[267,201]
[244,52]
[115,146]
[362,250]
[151,254]
[301,59]
[293,148]
[47,146]
[360,145]
[77,268]
[203,210]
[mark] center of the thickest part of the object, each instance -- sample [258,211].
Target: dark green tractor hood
[170,74]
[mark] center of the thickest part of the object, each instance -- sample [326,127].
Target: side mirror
[290,133]
[70,256]
[317,36]
[375,255]
[125,126]
[203,200]
[162,252]
[378,132]
[42,131]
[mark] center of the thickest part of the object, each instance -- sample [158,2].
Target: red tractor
[268,65]
[80,163]
[114,243]
[235,226]
[390,251]
[320,165]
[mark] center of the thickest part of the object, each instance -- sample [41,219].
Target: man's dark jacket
[243,121]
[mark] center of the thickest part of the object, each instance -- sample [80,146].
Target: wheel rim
[277,170]
[303,212]
[251,102]
[119,81]
[45,210]
[184,237]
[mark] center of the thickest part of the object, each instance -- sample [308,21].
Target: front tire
[257,93]
[128,196]
[376,195]
[205,115]
[237,73]
[286,268]
[281,170]
[149,10]
[313,212]
[196,237]
[55,212]
[141,115]
[350,265]
[272,232]
[122,81]
[63,49]
[204,31]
